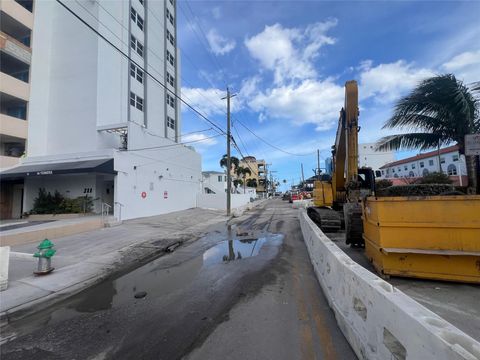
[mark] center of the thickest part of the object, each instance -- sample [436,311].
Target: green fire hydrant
[44,255]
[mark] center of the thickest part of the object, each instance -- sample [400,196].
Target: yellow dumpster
[431,237]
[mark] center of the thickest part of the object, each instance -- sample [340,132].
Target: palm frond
[421,141]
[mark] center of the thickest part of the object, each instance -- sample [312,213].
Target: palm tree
[234,162]
[243,171]
[252,183]
[439,111]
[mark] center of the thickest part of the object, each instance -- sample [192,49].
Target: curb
[378,320]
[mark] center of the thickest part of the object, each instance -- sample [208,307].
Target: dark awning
[102,166]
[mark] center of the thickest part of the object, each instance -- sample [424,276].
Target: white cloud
[289,52]
[219,44]
[199,139]
[317,102]
[216,13]
[208,101]
[387,82]
[465,66]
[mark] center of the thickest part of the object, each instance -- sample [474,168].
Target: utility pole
[318,164]
[229,163]
[303,177]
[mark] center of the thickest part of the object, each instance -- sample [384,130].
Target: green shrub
[435,178]
[45,203]
[382,184]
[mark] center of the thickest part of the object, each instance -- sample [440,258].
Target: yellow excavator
[337,200]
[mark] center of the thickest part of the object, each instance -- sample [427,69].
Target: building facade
[16,28]
[369,157]
[104,116]
[214,182]
[448,161]
[258,170]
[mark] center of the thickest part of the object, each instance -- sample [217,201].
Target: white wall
[378,320]
[368,157]
[210,180]
[219,201]
[175,170]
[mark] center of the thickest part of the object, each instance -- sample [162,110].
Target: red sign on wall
[165,194]
[144,194]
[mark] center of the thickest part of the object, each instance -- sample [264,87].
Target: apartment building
[16,25]
[371,158]
[259,172]
[104,118]
[214,182]
[447,160]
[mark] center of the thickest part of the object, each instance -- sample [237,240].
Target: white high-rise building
[369,157]
[100,125]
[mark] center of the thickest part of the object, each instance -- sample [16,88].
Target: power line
[219,129]
[271,145]
[176,144]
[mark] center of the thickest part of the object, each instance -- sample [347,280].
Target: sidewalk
[87,258]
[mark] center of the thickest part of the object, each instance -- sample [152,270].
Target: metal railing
[120,205]
[105,210]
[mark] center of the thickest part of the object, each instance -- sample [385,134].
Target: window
[137,19]
[170,38]
[170,58]
[406,167]
[455,157]
[442,160]
[136,45]
[430,162]
[170,123]
[411,174]
[170,79]
[169,16]
[399,169]
[136,101]
[136,73]
[451,169]
[383,172]
[393,170]
[425,172]
[395,176]
[413,166]
[171,101]
[422,164]
[220,178]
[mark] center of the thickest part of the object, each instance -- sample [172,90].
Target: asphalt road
[248,292]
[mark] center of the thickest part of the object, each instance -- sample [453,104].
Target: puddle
[156,279]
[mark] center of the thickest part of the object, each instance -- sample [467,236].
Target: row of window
[169,17]
[455,157]
[137,19]
[451,170]
[170,58]
[171,100]
[170,38]
[136,45]
[136,73]
[136,101]
[170,123]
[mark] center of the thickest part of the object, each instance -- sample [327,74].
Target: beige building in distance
[258,169]
[16,24]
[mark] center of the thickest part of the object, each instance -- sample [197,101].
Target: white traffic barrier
[378,320]
[4,261]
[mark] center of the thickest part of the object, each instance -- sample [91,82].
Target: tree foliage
[46,203]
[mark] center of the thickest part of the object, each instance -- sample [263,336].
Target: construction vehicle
[337,200]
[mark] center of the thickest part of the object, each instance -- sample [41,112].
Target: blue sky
[287,61]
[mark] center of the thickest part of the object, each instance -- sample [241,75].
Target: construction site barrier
[378,320]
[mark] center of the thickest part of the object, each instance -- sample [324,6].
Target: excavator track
[353,224]
[328,220]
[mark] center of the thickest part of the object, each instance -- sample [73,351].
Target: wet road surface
[244,293]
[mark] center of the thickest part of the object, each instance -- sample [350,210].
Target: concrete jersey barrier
[378,320]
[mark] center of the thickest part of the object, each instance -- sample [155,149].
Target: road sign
[472,144]
[165,194]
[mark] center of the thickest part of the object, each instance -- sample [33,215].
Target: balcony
[14,87]
[15,29]
[18,11]
[14,48]
[13,107]
[13,127]
[11,149]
